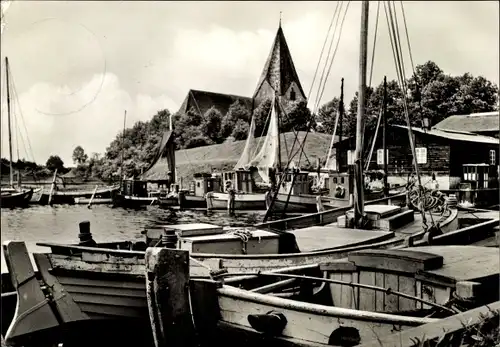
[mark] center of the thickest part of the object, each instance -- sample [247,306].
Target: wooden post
[85,235]
[92,197]
[52,187]
[230,202]
[208,198]
[167,292]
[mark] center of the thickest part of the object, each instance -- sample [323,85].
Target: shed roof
[456,136]
[475,122]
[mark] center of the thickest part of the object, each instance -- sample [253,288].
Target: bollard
[169,238]
[85,235]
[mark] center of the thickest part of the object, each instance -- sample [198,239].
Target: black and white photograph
[250,173]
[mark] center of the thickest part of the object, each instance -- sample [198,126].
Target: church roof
[203,101]
[279,68]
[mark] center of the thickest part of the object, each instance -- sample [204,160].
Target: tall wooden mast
[11,172]
[358,160]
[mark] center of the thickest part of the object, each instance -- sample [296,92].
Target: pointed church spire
[279,74]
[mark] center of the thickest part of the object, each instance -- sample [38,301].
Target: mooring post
[208,199]
[167,292]
[230,202]
[85,235]
[169,238]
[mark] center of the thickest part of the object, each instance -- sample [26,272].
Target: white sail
[268,154]
[245,158]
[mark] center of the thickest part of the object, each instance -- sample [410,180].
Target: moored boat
[16,198]
[356,300]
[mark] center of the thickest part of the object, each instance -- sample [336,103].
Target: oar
[92,197]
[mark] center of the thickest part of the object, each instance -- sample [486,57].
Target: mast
[384,136]
[123,146]
[11,172]
[341,115]
[358,160]
[277,110]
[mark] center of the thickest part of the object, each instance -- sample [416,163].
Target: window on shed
[421,155]
[493,157]
[380,156]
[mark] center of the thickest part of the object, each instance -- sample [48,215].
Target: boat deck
[465,263]
[330,236]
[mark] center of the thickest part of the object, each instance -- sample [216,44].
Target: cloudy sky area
[78,65]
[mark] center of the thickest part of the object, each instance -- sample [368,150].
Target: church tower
[279,74]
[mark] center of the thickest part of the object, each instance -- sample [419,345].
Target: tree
[327,115]
[237,111]
[240,130]
[79,156]
[297,117]
[211,125]
[54,162]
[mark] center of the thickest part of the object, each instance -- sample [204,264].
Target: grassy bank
[224,156]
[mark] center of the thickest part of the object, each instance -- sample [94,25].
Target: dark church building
[279,72]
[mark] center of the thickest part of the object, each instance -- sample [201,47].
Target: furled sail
[268,154]
[245,158]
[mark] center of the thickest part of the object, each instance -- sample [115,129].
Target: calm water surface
[60,223]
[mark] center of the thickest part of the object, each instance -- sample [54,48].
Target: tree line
[431,94]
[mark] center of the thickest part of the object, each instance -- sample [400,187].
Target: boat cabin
[340,184]
[240,180]
[301,184]
[204,183]
[134,188]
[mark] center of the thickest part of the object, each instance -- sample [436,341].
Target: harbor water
[59,223]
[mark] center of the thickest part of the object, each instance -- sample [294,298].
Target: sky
[77,66]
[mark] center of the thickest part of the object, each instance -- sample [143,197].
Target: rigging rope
[322,50]
[398,60]
[334,54]
[327,57]
[374,44]
[16,96]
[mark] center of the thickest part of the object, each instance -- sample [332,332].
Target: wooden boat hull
[420,278]
[241,202]
[68,198]
[126,201]
[16,199]
[305,203]
[98,201]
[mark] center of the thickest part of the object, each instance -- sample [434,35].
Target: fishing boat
[370,294]
[17,198]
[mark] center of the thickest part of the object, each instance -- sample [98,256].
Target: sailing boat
[240,187]
[12,196]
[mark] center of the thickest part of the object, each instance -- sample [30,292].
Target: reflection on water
[60,223]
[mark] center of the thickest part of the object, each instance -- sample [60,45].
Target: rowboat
[68,197]
[16,198]
[370,294]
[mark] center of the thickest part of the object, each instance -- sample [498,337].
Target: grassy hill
[225,155]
